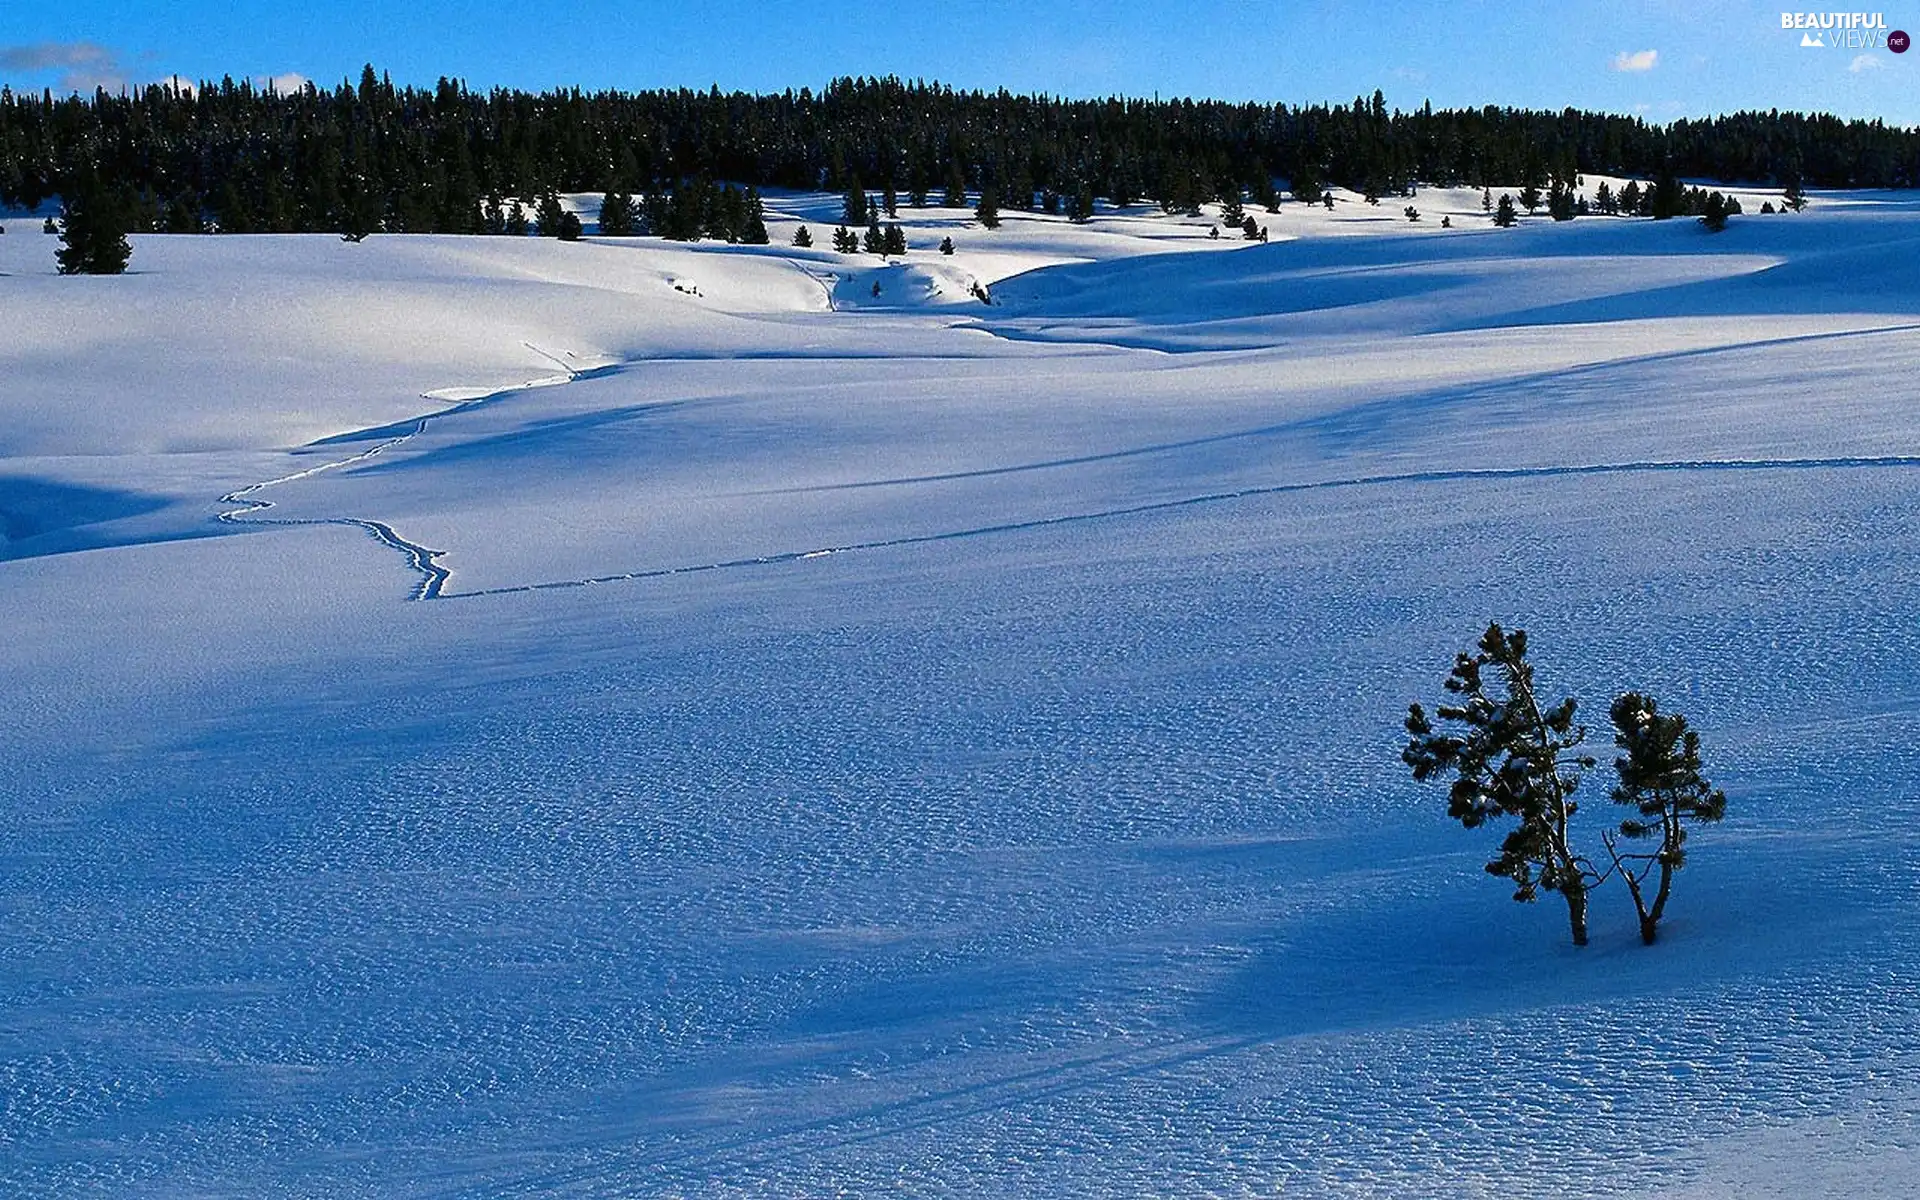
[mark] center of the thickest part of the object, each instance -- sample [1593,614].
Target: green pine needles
[1512,756]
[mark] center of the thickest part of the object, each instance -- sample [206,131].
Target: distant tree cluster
[1512,756]
[231,158]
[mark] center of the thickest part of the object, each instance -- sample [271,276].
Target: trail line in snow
[433,576]
[1461,475]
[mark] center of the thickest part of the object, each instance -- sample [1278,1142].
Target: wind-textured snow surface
[494,717]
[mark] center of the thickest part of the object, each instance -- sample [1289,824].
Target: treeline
[232,157]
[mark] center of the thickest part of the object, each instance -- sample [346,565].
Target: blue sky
[1654,57]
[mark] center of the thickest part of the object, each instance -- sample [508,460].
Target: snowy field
[498,717]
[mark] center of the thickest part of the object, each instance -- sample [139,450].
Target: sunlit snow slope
[495,717]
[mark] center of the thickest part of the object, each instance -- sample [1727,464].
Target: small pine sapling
[1660,776]
[1511,758]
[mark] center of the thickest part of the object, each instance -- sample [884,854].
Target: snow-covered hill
[865,744]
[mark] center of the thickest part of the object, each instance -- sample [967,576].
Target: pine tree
[1714,213]
[853,209]
[1604,201]
[1250,229]
[549,214]
[1233,212]
[1630,199]
[946,245]
[1513,758]
[1530,198]
[956,196]
[893,241]
[1794,196]
[753,231]
[1305,184]
[873,242]
[1560,205]
[93,232]
[987,212]
[569,228]
[1660,776]
[803,237]
[845,241]
[1668,197]
[1504,216]
[516,223]
[493,215]
[1412,213]
[892,201]
[1080,208]
[1486,200]
[617,217]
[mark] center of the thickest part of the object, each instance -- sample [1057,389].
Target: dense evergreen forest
[233,158]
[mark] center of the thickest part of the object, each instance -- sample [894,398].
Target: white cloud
[179,83]
[83,66]
[286,84]
[1866,62]
[1638,60]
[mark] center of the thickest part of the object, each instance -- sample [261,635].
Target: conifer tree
[956,196]
[1513,758]
[753,232]
[1486,200]
[874,242]
[1530,198]
[1603,199]
[1504,216]
[516,222]
[1659,774]
[893,241]
[1667,197]
[1713,214]
[1794,196]
[803,237]
[1412,213]
[946,245]
[548,214]
[1630,199]
[93,232]
[853,209]
[845,241]
[1233,212]
[987,212]
[617,217]
[1560,205]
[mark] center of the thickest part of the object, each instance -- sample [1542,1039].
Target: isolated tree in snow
[1512,757]
[547,213]
[1250,229]
[617,216]
[93,233]
[1630,199]
[1504,216]
[1603,199]
[874,242]
[987,212]
[1530,198]
[1328,200]
[803,237]
[1713,214]
[893,241]
[845,241]
[1412,213]
[1660,777]
[946,245]
[1486,200]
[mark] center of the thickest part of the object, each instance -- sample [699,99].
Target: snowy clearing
[506,718]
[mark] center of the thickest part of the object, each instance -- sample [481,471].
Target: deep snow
[933,748]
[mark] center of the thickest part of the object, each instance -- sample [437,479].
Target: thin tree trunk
[1577,911]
